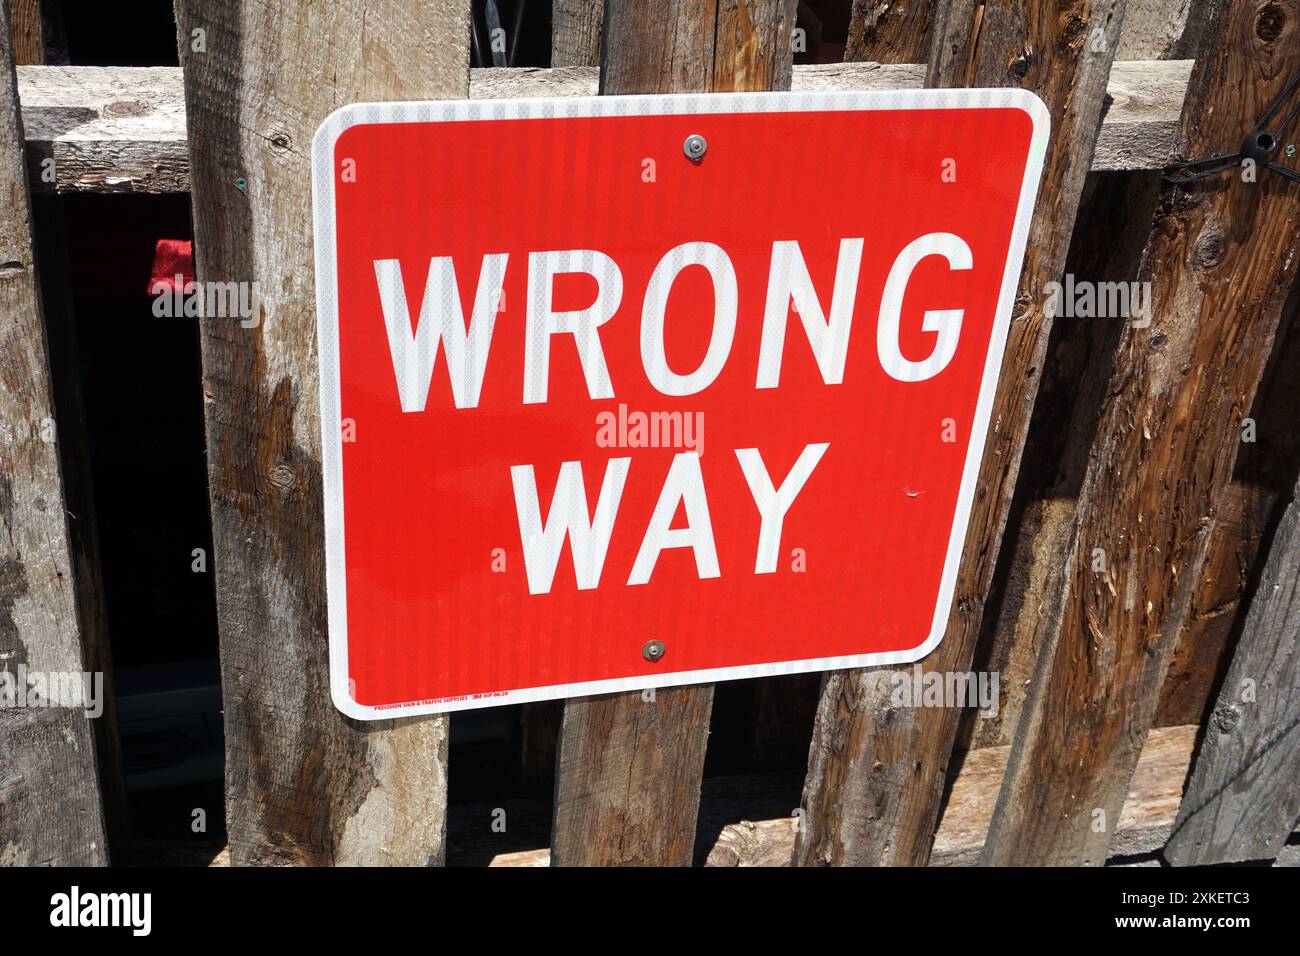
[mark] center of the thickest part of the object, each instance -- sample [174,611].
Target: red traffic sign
[626,392]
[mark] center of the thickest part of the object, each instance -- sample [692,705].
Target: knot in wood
[1226,718]
[1209,249]
[279,142]
[1269,22]
[282,477]
[1076,30]
[1019,67]
[126,108]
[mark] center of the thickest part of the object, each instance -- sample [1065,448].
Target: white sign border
[648,105]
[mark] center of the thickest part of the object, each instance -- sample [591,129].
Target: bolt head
[695,147]
[653,651]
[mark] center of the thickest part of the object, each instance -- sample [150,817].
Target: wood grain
[627,788]
[887,31]
[304,784]
[576,27]
[876,772]
[28,32]
[79,496]
[1244,796]
[122,129]
[1115,216]
[628,779]
[710,46]
[1221,259]
[108,129]
[1247,518]
[1162,29]
[51,813]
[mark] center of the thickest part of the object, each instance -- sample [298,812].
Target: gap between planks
[122,129]
[1144,825]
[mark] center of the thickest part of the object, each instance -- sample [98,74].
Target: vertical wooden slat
[304,784]
[629,770]
[28,32]
[1162,30]
[74,442]
[1244,795]
[576,26]
[1106,246]
[875,771]
[1221,259]
[1115,215]
[78,493]
[887,31]
[627,789]
[1244,520]
[51,813]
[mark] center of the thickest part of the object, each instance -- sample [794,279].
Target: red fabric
[172,258]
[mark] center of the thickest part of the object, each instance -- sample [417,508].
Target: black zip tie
[1260,145]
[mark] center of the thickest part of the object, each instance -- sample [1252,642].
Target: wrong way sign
[627,392]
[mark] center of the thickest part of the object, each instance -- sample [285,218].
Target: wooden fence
[1151,698]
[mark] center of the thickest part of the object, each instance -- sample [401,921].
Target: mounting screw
[653,651]
[1290,150]
[694,147]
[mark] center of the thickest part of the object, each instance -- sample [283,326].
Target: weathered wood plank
[1107,246]
[875,771]
[51,812]
[107,129]
[1220,259]
[1109,235]
[122,129]
[628,780]
[1140,120]
[1246,519]
[628,773]
[886,31]
[28,32]
[576,26]
[79,496]
[304,784]
[716,46]
[1162,29]
[1244,795]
